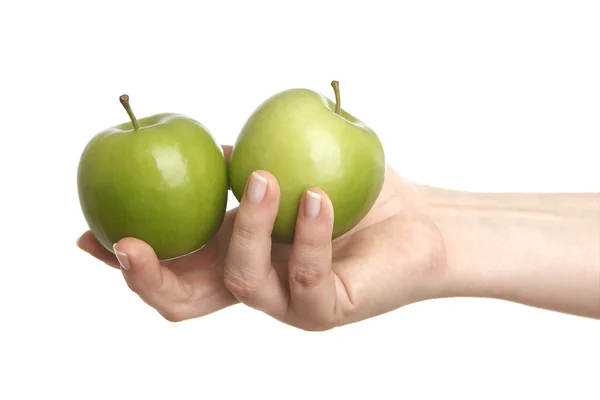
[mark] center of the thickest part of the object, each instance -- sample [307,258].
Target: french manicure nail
[257,188]
[122,257]
[312,206]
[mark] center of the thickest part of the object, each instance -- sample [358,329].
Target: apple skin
[297,137]
[165,184]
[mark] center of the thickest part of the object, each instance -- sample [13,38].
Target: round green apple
[161,179]
[305,140]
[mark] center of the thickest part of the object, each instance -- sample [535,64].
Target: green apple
[161,179]
[305,140]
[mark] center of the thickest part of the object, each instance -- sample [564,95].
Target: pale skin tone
[417,243]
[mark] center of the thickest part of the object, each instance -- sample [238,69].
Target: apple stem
[336,90]
[125,102]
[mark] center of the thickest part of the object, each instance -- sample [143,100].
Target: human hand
[393,257]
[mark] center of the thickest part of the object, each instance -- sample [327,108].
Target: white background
[473,95]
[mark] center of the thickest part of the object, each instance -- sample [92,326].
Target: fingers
[197,291]
[175,297]
[248,272]
[311,278]
[88,243]
[227,152]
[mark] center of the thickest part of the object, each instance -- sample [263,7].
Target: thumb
[156,285]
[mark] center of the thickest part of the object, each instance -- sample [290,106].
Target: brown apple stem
[125,102]
[336,90]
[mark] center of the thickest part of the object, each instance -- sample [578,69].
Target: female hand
[394,257]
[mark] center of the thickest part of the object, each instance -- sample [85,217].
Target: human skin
[542,250]
[417,243]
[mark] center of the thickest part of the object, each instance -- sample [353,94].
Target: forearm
[541,250]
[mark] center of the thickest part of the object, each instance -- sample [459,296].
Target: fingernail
[312,206]
[257,188]
[122,257]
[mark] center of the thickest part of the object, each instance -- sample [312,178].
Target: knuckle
[247,232]
[242,288]
[306,273]
[162,285]
[305,265]
[312,247]
[313,241]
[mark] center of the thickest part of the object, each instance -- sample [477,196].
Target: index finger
[248,272]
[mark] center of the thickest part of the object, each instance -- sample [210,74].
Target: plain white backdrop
[471,95]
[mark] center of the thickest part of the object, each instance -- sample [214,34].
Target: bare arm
[541,250]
